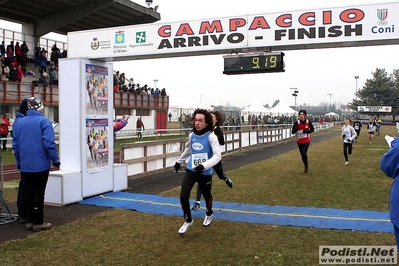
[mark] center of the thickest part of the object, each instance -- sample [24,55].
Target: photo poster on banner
[97,152]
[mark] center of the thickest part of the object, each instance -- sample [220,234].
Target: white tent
[282,108]
[332,114]
[179,105]
[255,108]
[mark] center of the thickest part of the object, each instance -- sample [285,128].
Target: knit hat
[23,108]
[35,104]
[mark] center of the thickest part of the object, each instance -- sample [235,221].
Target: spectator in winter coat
[19,74]
[24,57]
[2,49]
[4,124]
[10,50]
[42,61]
[34,150]
[18,53]
[389,164]
[5,71]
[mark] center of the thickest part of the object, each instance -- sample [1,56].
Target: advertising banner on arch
[356,25]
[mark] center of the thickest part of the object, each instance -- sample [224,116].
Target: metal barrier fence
[149,157]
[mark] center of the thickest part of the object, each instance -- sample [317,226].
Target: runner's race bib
[198,158]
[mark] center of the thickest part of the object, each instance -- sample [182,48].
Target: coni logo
[382,28]
[141,37]
[382,15]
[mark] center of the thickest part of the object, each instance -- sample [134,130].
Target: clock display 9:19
[253,63]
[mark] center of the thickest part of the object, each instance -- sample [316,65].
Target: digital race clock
[253,63]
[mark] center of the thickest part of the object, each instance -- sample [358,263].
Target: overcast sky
[200,78]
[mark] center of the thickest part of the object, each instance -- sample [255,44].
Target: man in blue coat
[34,151]
[389,164]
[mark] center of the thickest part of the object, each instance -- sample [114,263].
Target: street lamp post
[295,94]
[155,81]
[330,94]
[356,77]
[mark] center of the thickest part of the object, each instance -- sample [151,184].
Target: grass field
[122,237]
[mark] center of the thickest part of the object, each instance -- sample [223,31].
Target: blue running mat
[358,220]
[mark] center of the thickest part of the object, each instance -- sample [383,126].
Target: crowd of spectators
[281,119]
[121,84]
[235,122]
[14,60]
[41,61]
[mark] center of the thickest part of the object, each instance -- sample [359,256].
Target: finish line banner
[375,109]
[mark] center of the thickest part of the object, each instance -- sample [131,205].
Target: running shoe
[196,206]
[346,163]
[229,182]
[207,220]
[184,227]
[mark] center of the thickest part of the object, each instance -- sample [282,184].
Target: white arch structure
[361,25]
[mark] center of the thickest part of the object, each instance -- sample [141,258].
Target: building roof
[75,15]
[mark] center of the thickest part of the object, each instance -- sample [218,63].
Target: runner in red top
[303,128]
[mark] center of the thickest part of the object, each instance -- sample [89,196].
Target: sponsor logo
[119,37]
[197,146]
[375,109]
[141,37]
[95,44]
[382,15]
[382,23]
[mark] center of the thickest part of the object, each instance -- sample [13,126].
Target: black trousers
[219,171]
[303,149]
[4,142]
[21,200]
[35,188]
[204,183]
[347,150]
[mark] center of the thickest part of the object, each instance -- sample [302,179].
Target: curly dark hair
[208,117]
[303,111]
[219,118]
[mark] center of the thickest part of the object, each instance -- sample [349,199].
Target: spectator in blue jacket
[389,164]
[34,150]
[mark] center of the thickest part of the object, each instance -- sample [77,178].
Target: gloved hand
[56,164]
[348,141]
[177,166]
[19,167]
[199,168]
[306,131]
[343,136]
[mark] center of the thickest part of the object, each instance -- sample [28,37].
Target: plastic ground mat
[358,220]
